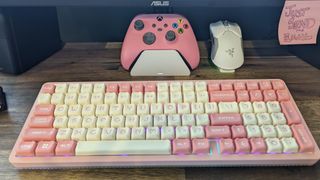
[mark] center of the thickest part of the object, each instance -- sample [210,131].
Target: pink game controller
[159,32]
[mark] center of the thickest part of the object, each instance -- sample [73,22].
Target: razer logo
[160,3]
[230,52]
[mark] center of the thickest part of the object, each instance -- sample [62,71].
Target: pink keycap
[239,86]
[213,87]
[112,88]
[45,148]
[226,86]
[238,132]
[277,85]
[125,88]
[290,112]
[218,132]
[242,95]
[137,87]
[181,146]
[41,122]
[265,85]
[226,96]
[256,95]
[226,146]
[44,110]
[283,95]
[225,119]
[269,95]
[150,87]
[65,148]
[242,145]
[26,148]
[200,146]
[48,88]
[252,85]
[258,145]
[40,134]
[303,139]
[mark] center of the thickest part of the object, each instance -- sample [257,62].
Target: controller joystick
[150,51]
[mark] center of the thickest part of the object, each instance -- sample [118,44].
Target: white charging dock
[160,63]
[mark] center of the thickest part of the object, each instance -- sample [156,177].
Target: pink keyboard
[164,123]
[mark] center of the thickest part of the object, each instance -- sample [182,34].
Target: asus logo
[160,3]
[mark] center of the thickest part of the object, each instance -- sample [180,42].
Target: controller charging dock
[160,63]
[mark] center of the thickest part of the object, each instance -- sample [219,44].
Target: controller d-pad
[149,38]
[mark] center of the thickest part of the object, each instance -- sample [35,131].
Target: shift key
[40,134]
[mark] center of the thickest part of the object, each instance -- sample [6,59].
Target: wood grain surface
[100,62]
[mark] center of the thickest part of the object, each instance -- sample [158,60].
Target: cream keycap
[187,86]
[61,88]
[249,119]
[167,133]
[159,120]
[273,145]
[150,97]
[123,98]
[245,107]
[283,131]
[183,108]
[63,134]
[44,98]
[197,108]
[129,109]
[71,98]
[146,121]
[268,131]
[103,121]
[134,147]
[211,107]
[97,98]
[188,120]
[189,97]
[202,119]
[74,88]
[117,121]
[278,118]
[115,109]
[99,88]
[170,108]
[175,87]
[102,109]
[263,118]
[84,98]
[176,97]
[253,131]
[174,120]
[57,98]
[137,98]
[86,88]
[153,133]
[123,133]
[289,145]
[93,134]
[110,98]
[156,108]
[182,132]
[88,110]
[138,133]
[132,121]
[162,87]
[202,96]
[75,110]
[89,121]
[75,122]
[196,132]
[60,122]
[142,109]
[61,110]
[259,107]
[108,133]
[79,134]
[273,106]
[163,97]
[228,107]
[201,86]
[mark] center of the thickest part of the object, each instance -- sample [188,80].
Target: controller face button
[180,21]
[159,18]
[149,38]
[175,25]
[138,25]
[185,26]
[170,36]
[180,30]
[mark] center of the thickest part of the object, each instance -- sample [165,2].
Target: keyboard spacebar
[123,147]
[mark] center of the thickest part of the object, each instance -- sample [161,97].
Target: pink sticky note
[299,22]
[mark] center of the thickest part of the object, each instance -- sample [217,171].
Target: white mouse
[227,50]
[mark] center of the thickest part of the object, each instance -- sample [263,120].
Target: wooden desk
[94,62]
